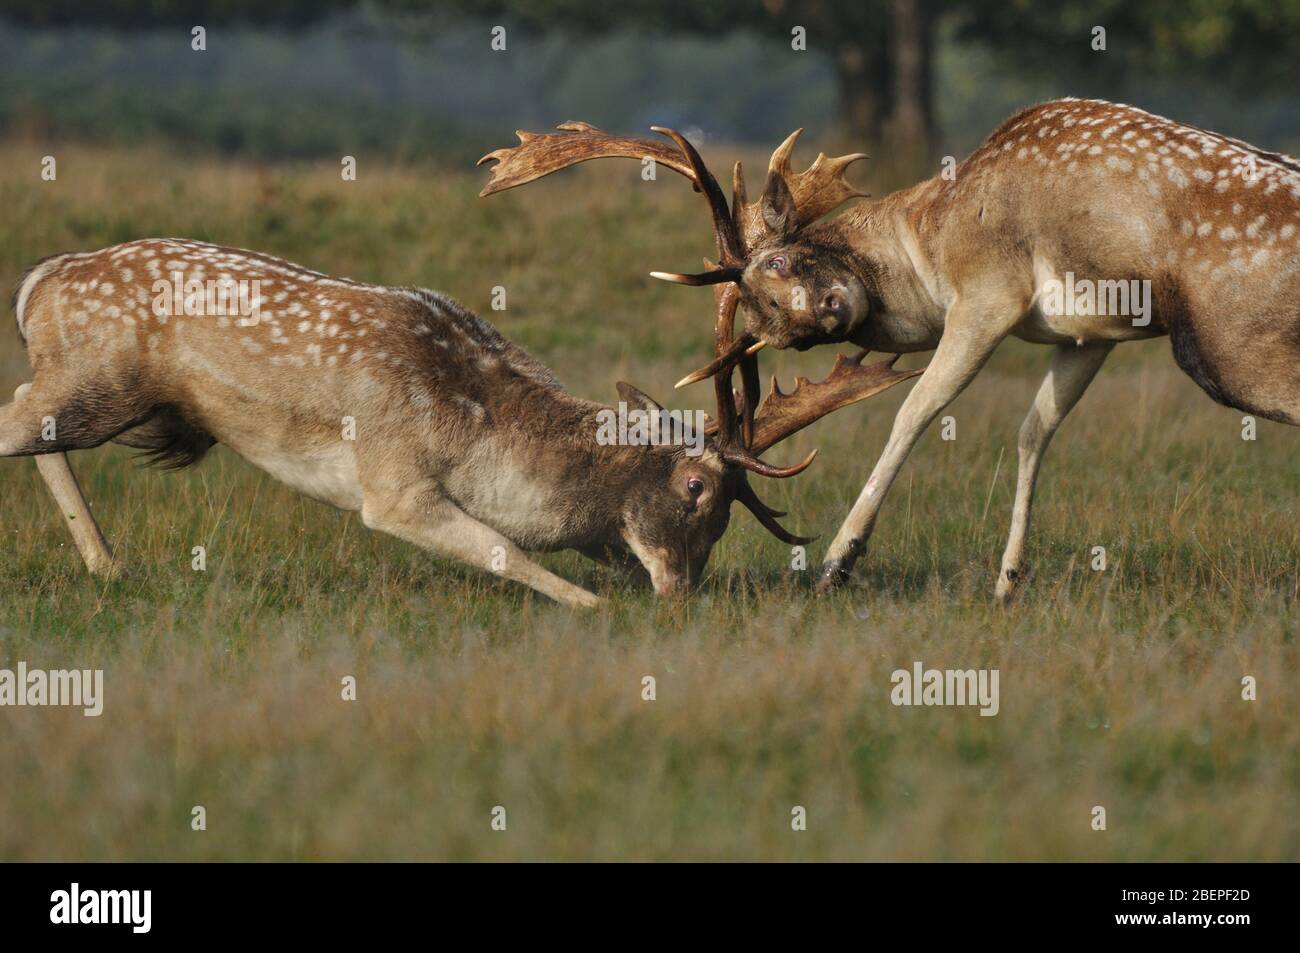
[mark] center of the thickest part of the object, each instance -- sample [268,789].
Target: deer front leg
[1072,370]
[425,517]
[965,346]
[23,420]
[62,483]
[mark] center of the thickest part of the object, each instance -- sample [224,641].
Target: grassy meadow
[1119,688]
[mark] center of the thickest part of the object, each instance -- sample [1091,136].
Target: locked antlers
[741,435]
[742,430]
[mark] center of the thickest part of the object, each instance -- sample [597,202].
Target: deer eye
[695,486]
[776,263]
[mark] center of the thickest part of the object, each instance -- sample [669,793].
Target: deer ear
[778,206]
[635,398]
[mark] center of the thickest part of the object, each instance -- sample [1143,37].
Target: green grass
[1118,688]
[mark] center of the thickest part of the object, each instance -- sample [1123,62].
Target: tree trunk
[909,130]
[883,67]
[862,75]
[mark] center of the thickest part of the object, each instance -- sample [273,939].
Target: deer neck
[888,245]
[541,476]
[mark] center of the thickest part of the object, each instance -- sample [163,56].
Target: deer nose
[832,312]
[671,586]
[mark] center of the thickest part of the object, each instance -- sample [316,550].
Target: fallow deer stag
[394,402]
[1078,224]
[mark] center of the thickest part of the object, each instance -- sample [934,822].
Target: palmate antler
[781,415]
[817,191]
[738,229]
[539,155]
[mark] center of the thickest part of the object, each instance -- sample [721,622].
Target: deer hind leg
[1072,370]
[21,427]
[423,516]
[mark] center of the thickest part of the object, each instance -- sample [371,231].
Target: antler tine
[730,250]
[751,390]
[767,516]
[738,200]
[746,459]
[848,382]
[726,298]
[540,154]
[817,191]
[728,358]
[780,161]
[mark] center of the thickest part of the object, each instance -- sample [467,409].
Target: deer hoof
[1008,586]
[834,576]
[109,570]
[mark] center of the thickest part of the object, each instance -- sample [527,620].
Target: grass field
[1119,688]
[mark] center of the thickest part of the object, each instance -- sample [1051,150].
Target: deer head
[798,283]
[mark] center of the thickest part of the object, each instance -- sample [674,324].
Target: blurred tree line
[883,50]
[881,58]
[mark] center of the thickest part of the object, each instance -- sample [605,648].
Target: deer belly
[1084,307]
[327,473]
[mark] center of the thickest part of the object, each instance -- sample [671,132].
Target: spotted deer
[1067,213]
[397,403]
